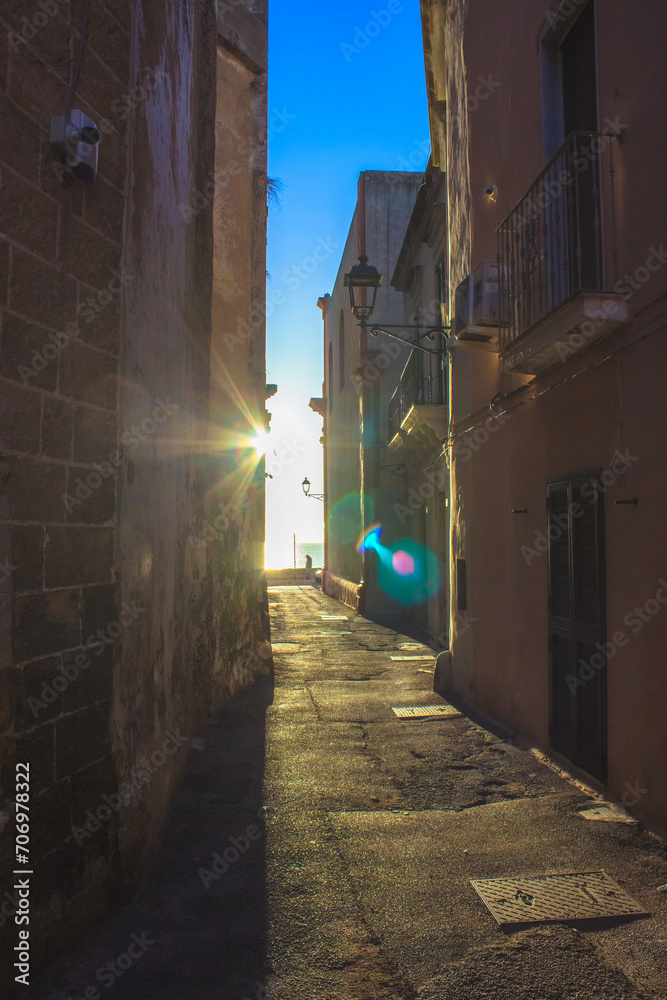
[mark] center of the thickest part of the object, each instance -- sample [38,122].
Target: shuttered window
[577,623]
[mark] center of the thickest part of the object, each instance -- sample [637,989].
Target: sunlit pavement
[322,848]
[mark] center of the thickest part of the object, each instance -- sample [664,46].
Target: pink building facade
[548,125]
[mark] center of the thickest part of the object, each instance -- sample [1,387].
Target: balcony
[417,413]
[554,253]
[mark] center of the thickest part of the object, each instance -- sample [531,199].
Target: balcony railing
[414,389]
[550,247]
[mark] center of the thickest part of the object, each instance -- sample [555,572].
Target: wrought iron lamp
[363,281]
[305,486]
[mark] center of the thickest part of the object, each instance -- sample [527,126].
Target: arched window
[330,378]
[341,351]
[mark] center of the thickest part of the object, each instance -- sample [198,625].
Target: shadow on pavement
[197,927]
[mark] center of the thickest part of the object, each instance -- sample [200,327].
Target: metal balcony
[418,408]
[554,255]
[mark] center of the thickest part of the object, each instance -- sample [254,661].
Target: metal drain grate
[329,618]
[424,711]
[549,898]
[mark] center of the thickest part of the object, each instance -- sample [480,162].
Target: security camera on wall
[77,137]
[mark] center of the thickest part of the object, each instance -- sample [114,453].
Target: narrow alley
[322,847]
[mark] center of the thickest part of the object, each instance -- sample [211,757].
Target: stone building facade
[132,385]
[360,374]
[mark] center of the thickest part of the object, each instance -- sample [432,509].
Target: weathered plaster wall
[576,416]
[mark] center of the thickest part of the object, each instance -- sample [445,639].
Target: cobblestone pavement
[323,848]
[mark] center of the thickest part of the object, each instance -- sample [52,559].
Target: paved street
[322,848]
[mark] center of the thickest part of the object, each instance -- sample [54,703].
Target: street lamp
[305,486]
[363,277]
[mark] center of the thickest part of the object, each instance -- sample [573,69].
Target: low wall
[345,591]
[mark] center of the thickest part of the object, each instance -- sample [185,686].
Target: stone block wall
[113,639]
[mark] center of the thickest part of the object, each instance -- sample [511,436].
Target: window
[569,77]
[330,378]
[341,351]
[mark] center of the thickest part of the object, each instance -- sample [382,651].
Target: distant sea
[314,549]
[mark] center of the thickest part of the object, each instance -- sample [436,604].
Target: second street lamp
[305,486]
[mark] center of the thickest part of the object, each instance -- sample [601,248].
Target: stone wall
[132,599]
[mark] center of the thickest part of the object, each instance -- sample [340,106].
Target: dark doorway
[577,666]
[580,114]
[578,63]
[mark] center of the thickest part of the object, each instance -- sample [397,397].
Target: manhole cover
[424,711]
[549,898]
[607,812]
[426,656]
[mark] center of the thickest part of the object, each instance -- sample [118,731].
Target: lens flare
[345,520]
[408,572]
[403,563]
[370,540]
[261,442]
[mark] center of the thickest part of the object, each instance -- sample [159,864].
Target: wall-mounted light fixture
[363,281]
[305,486]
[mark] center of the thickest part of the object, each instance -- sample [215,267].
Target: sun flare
[261,442]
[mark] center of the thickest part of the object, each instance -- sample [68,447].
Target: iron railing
[550,247]
[414,389]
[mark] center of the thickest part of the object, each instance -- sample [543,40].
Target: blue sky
[346,94]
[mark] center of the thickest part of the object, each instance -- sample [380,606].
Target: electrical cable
[76,68]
